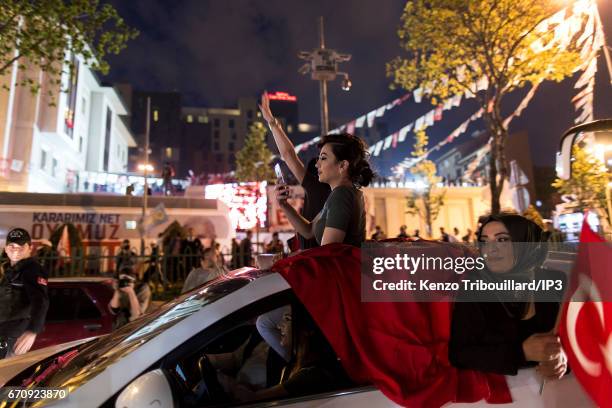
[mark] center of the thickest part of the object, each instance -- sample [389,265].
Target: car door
[72,315]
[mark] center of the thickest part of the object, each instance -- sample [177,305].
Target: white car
[156,361]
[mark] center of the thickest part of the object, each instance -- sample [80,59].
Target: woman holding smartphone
[344,167]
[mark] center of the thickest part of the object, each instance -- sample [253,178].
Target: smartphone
[279,173]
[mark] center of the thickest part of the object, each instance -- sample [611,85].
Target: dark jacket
[486,336]
[26,284]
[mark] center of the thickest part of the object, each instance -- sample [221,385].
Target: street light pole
[322,64]
[323,86]
[145,195]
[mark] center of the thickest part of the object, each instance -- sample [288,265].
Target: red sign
[282,96]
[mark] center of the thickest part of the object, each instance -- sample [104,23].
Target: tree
[588,183]
[46,33]
[253,160]
[531,213]
[463,46]
[425,202]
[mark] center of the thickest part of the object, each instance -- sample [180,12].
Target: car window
[107,350]
[236,354]
[69,304]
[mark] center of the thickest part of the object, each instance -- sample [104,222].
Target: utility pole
[322,64]
[145,195]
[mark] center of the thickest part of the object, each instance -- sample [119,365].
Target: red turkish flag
[400,347]
[586,321]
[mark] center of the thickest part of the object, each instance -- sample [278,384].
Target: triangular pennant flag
[380,111]
[350,127]
[404,98]
[418,125]
[438,112]
[371,117]
[360,121]
[418,94]
[371,149]
[404,131]
[588,98]
[457,100]
[587,74]
[394,141]
[448,104]
[483,83]
[587,90]
[388,141]
[429,118]
[589,28]
[378,147]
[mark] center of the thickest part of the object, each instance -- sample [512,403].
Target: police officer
[23,296]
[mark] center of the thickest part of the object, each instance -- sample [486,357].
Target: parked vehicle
[78,309]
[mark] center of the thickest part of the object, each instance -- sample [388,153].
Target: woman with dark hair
[344,166]
[515,331]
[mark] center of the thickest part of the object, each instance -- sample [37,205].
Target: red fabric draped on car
[400,347]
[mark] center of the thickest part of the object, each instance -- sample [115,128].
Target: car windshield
[95,358]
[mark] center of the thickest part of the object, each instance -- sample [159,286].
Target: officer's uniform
[24,302]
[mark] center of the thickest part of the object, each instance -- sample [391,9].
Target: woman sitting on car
[515,331]
[343,165]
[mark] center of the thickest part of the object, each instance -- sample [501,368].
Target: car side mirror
[150,390]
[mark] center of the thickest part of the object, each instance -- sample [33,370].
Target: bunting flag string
[462,128]
[473,165]
[592,40]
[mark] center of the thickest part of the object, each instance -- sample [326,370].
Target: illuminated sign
[247,202]
[282,96]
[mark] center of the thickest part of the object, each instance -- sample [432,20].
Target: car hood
[10,367]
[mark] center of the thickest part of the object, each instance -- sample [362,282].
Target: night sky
[216,51]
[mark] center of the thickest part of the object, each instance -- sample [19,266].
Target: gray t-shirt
[344,210]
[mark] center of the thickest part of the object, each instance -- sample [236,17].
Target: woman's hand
[553,369]
[542,347]
[282,194]
[264,107]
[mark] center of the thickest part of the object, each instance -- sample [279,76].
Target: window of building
[54,167]
[189,118]
[249,124]
[231,158]
[155,115]
[202,119]
[219,158]
[43,159]
[231,123]
[230,146]
[216,134]
[216,122]
[81,144]
[250,114]
[216,147]
[289,129]
[168,152]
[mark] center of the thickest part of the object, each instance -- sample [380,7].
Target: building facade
[45,143]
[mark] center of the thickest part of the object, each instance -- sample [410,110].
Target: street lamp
[148,167]
[322,64]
